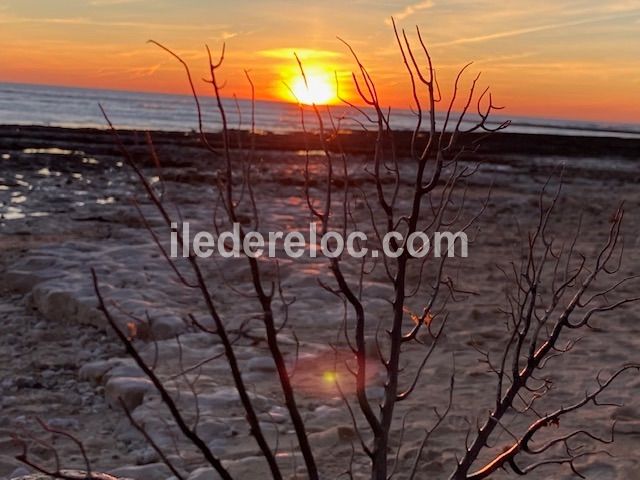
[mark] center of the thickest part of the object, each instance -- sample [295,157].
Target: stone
[64,423]
[167,327]
[19,472]
[261,364]
[124,368]
[210,429]
[333,436]
[205,473]
[247,468]
[277,414]
[81,475]
[130,389]
[152,471]
[147,456]
[225,398]
[94,371]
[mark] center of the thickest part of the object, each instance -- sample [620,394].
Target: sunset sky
[571,59]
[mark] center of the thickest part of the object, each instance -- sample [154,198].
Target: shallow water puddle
[45,172]
[13,213]
[51,151]
[105,201]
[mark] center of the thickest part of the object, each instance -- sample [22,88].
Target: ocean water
[23,104]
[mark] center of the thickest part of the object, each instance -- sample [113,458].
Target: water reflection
[51,151]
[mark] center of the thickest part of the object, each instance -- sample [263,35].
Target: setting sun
[318,89]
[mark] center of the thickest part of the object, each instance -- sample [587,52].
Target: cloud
[108,3]
[527,30]
[410,10]
[228,35]
[84,21]
[303,53]
[136,72]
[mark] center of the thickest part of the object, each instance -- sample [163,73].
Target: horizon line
[284,102]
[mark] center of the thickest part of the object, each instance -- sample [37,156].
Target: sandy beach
[67,206]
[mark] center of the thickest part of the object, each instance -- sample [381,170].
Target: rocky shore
[66,205]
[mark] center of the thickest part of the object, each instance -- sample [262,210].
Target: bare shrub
[555,289]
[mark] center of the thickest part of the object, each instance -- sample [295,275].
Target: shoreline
[100,141]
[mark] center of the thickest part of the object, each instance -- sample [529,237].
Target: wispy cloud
[83,21]
[410,10]
[303,53]
[228,35]
[527,30]
[136,72]
[109,3]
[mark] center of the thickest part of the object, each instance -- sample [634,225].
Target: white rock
[277,414]
[205,473]
[124,368]
[94,371]
[130,389]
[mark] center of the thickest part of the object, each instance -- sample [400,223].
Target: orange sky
[571,59]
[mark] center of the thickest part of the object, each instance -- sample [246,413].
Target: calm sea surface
[22,104]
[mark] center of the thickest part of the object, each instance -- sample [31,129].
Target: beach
[68,205]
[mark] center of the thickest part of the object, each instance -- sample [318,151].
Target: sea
[29,104]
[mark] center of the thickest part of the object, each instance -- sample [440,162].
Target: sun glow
[319,88]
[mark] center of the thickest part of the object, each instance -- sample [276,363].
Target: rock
[124,368]
[167,327]
[7,383]
[64,423]
[210,429]
[81,475]
[333,436]
[152,471]
[626,420]
[19,472]
[218,447]
[323,416]
[247,468]
[94,371]
[130,389]
[147,456]
[27,382]
[261,364]
[225,398]
[277,414]
[205,473]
